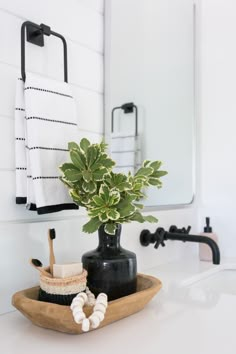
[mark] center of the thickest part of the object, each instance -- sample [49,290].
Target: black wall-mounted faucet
[158,238]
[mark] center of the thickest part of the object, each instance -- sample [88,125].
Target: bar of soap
[67,270]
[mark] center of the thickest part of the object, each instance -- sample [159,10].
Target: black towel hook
[34,35]
[127,108]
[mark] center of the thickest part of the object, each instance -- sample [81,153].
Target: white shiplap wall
[84,34]
[81,22]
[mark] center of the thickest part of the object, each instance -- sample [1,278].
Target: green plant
[110,198]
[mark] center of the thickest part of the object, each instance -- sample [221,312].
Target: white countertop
[196,319]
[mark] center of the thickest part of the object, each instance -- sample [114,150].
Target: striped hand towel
[125,151]
[45,120]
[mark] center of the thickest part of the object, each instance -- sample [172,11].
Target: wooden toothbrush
[51,237]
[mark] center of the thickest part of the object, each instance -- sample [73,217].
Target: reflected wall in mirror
[149,60]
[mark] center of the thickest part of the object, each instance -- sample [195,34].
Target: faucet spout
[197,238]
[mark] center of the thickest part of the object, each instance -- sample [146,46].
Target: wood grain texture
[59,318]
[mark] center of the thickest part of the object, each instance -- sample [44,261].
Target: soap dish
[59,317]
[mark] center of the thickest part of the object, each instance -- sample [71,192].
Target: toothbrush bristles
[52,233]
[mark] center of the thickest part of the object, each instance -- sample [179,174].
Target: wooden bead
[90,302]
[94,320]
[77,310]
[100,315]
[99,307]
[85,325]
[83,296]
[76,304]
[73,306]
[102,295]
[78,301]
[79,317]
[102,301]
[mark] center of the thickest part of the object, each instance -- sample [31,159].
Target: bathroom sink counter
[180,319]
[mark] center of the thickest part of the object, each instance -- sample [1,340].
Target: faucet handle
[159,236]
[174,229]
[188,229]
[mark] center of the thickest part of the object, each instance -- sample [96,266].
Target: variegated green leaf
[73,175]
[113,214]
[110,229]
[146,163]
[66,166]
[156,165]
[92,226]
[138,186]
[91,155]
[84,144]
[85,199]
[73,145]
[66,182]
[103,217]
[89,187]
[128,210]
[87,176]
[150,218]
[158,174]
[99,174]
[137,216]
[78,159]
[138,205]
[114,197]
[75,196]
[144,171]
[104,193]
[107,161]
[125,186]
[154,181]
[98,200]
[95,212]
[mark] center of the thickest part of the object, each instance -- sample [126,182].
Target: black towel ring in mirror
[34,35]
[127,108]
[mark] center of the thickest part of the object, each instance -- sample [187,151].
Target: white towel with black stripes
[126,152]
[45,121]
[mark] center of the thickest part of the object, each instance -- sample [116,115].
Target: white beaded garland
[99,310]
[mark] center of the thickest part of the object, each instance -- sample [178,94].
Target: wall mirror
[149,60]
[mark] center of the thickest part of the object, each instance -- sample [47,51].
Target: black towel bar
[127,108]
[35,35]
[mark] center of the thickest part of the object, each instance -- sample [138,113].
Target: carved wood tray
[59,317]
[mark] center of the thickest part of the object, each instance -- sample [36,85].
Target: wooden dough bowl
[59,318]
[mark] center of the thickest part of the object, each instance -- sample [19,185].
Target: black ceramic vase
[111,268]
